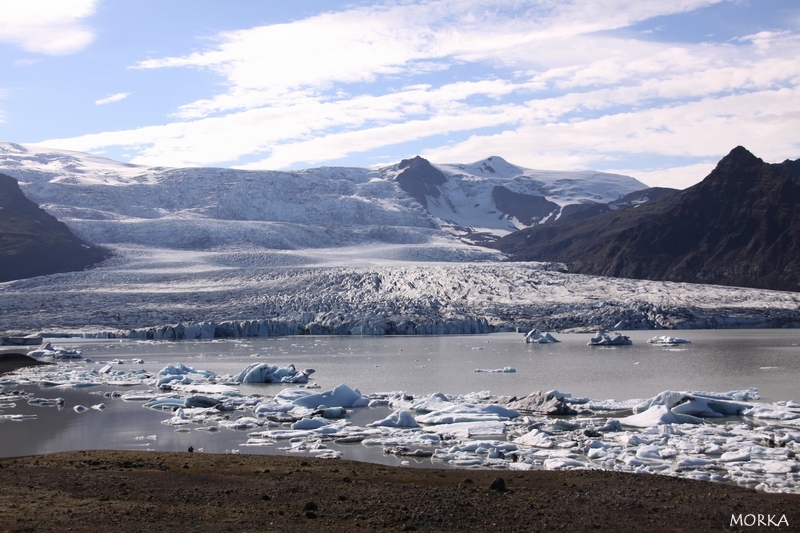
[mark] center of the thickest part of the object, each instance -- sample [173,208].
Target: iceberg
[543,402]
[666,340]
[341,396]
[603,339]
[48,350]
[504,370]
[398,419]
[697,403]
[434,402]
[536,438]
[266,373]
[658,415]
[468,412]
[311,423]
[535,336]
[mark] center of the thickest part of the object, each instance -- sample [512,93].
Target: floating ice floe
[713,436]
[666,340]
[535,336]
[549,403]
[49,351]
[180,374]
[340,396]
[504,370]
[266,373]
[398,419]
[603,339]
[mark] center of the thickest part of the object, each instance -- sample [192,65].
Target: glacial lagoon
[394,372]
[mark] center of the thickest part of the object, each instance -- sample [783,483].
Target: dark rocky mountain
[420,179]
[740,226]
[576,212]
[34,243]
[527,208]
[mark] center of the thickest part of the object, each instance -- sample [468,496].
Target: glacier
[206,253]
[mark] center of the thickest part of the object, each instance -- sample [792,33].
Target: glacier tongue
[165,294]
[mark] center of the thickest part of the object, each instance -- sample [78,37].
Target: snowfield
[205,252]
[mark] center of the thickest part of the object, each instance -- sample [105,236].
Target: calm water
[715,361]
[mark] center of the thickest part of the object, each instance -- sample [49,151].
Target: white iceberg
[311,423]
[48,350]
[535,336]
[701,404]
[434,402]
[666,340]
[266,373]
[340,396]
[536,438]
[658,415]
[504,370]
[468,412]
[398,419]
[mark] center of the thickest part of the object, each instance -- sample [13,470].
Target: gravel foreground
[128,491]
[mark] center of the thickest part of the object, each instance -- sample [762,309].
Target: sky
[656,90]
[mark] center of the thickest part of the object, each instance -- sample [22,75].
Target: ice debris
[714,436]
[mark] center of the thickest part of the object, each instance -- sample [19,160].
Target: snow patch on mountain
[467,198]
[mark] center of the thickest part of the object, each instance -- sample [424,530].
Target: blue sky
[656,90]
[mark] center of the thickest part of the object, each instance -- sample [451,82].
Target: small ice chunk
[434,402]
[656,415]
[311,423]
[742,455]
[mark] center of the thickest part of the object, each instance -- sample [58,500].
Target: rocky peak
[33,242]
[420,179]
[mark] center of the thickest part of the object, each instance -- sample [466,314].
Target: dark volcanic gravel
[151,491]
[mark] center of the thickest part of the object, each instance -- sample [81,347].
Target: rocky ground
[150,491]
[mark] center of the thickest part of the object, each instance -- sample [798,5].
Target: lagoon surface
[719,361]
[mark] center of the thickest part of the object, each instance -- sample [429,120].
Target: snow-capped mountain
[216,252]
[411,204]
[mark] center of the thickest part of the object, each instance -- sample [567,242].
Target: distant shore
[155,491]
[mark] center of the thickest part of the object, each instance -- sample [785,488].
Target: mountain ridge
[739,226]
[33,243]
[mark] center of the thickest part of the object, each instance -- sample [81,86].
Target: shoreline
[150,491]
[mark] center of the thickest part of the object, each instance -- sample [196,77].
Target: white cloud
[678,177]
[46,26]
[113,98]
[553,82]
